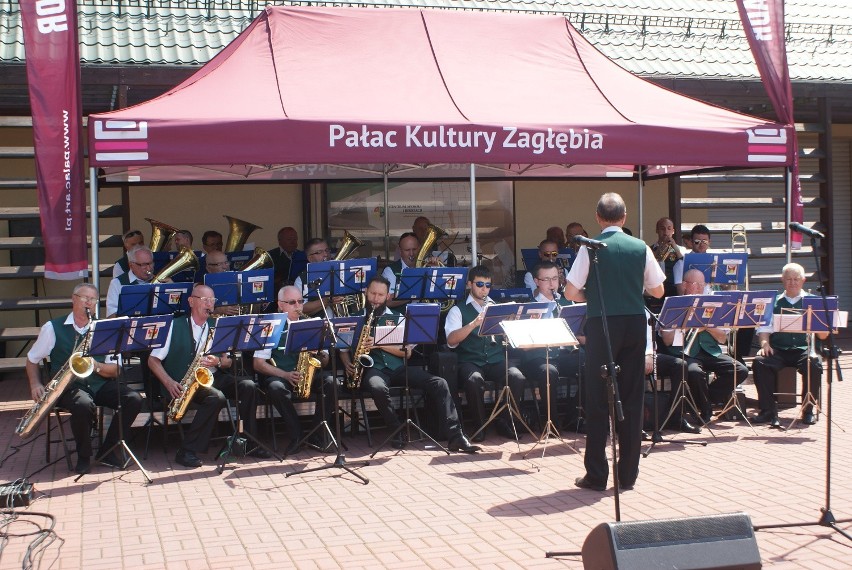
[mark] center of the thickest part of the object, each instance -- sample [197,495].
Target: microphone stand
[833,353]
[340,458]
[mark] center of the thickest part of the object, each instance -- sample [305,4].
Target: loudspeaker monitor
[712,542]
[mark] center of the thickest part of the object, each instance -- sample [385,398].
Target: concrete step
[32,212]
[745,202]
[37,271]
[12,364]
[106,240]
[15,184]
[750,227]
[36,303]
[18,333]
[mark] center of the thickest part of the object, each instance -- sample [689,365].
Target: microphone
[588,242]
[797,227]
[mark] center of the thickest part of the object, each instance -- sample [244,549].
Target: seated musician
[556,235]
[57,339]
[211,241]
[130,240]
[288,260]
[217,262]
[566,361]
[704,349]
[780,349]
[182,239]
[389,370]
[409,246]
[141,271]
[188,339]
[279,376]
[574,229]
[480,358]
[316,250]
[547,251]
[441,253]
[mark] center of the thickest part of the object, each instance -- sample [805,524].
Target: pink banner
[763,22]
[53,73]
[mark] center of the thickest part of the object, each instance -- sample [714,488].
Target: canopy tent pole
[641,206]
[387,213]
[96,254]
[788,211]
[473,252]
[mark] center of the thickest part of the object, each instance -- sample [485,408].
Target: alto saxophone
[196,375]
[77,366]
[361,358]
[307,365]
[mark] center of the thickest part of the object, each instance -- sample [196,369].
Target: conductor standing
[626,268]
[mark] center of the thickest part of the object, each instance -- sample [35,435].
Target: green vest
[382,359]
[66,339]
[181,349]
[284,361]
[478,350]
[705,342]
[786,340]
[622,270]
[535,353]
[124,278]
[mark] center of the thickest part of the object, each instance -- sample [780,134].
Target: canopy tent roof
[347,93]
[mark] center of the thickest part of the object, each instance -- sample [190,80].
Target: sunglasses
[701,241]
[134,233]
[482,284]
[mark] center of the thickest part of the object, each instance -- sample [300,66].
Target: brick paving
[424,509]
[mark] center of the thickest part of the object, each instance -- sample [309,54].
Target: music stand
[244,332]
[420,326]
[718,268]
[492,320]
[541,333]
[124,334]
[437,284]
[516,294]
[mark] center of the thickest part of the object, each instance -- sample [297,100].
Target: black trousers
[82,406]
[473,380]
[280,393]
[207,403]
[675,369]
[567,363]
[766,369]
[725,368]
[246,393]
[627,333]
[378,382]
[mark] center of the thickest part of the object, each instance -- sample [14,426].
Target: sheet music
[389,335]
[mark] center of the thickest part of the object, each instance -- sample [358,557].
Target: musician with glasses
[548,250]
[211,241]
[170,365]
[409,246]
[131,239]
[279,376]
[57,339]
[316,250]
[141,271]
[480,358]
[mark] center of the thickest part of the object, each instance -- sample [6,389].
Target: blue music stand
[345,329]
[818,311]
[256,286]
[134,300]
[530,257]
[437,283]
[718,268]
[753,308]
[226,287]
[575,316]
[353,276]
[712,311]
[304,334]
[163,258]
[320,272]
[515,294]
[170,298]
[239,258]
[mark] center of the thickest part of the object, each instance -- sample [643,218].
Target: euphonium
[196,375]
[238,233]
[77,366]
[361,358]
[161,234]
[434,233]
[185,259]
[307,365]
[349,304]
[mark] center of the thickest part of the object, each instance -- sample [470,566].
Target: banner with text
[763,22]
[53,73]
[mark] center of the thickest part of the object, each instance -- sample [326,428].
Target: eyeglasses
[220,264]
[142,264]
[701,241]
[482,284]
[554,278]
[294,302]
[132,234]
[550,253]
[320,251]
[86,299]
[205,299]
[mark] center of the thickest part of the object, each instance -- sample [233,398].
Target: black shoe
[625,486]
[687,427]
[706,412]
[584,483]
[766,417]
[479,437]
[809,418]
[460,443]
[112,459]
[399,441]
[259,452]
[504,429]
[293,448]
[84,465]
[187,459]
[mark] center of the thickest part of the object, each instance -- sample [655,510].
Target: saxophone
[196,375]
[361,358]
[307,365]
[77,366]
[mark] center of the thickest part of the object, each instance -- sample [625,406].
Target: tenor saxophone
[77,366]
[307,365]
[361,358]
[196,376]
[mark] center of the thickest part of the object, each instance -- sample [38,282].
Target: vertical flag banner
[763,22]
[53,74]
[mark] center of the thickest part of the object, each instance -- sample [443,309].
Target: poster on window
[359,209]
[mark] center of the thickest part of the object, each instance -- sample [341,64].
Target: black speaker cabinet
[698,543]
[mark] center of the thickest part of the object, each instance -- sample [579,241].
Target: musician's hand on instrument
[338,299]
[293,377]
[368,342]
[210,361]
[173,388]
[350,369]
[649,363]
[37,392]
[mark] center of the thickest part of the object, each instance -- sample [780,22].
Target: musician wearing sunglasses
[279,376]
[131,239]
[547,251]
[389,362]
[565,362]
[188,339]
[480,358]
[141,271]
[57,339]
[699,237]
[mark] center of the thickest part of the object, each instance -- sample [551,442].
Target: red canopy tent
[325,93]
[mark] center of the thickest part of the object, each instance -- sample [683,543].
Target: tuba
[350,304]
[433,234]
[161,234]
[185,259]
[238,233]
[361,358]
[196,375]
[77,366]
